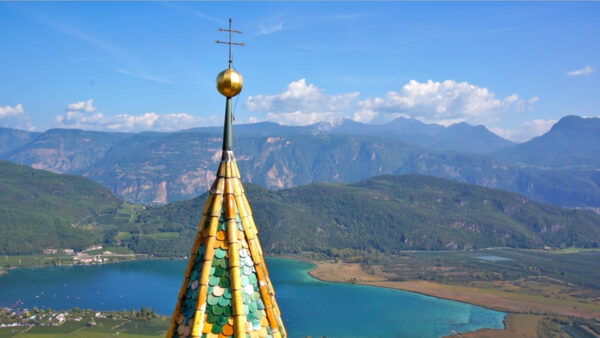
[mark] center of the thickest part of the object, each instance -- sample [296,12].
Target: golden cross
[230,42]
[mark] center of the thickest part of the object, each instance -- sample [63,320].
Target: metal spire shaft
[228,127]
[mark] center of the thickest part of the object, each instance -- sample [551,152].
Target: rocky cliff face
[11,139]
[182,166]
[65,150]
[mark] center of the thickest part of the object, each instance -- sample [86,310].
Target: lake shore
[141,278]
[511,302]
[491,298]
[524,311]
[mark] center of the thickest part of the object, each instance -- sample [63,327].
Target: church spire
[226,290]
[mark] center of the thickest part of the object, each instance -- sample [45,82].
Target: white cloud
[522,106]
[83,115]
[83,106]
[527,131]
[446,103]
[269,29]
[7,111]
[587,70]
[301,104]
[15,117]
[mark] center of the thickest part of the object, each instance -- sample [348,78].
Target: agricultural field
[87,323]
[573,273]
[546,293]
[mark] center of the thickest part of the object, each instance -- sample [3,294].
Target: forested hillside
[40,209]
[387,214]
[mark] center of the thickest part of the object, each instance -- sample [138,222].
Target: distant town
[21,320]
[92,255]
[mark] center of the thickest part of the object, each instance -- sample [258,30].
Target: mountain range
[156,168]
[461,137]
[384,214]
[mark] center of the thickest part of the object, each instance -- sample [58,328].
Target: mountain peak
[460,126]
[407,121]
[571,143]
[574,122]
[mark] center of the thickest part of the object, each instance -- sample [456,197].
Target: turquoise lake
[309,306]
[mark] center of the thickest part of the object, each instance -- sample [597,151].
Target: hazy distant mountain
[573,142]
[558,187]
[13,138]
[73,150]
[180,166]
[64,150]
[461,137]
[467,138]
[254,129]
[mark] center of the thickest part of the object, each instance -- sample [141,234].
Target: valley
[450,234]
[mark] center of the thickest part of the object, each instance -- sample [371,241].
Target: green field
[163,235]
[24,261]
[104,328]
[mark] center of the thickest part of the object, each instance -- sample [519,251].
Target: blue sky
[514,67]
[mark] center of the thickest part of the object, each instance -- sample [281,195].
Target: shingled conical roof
[226,290]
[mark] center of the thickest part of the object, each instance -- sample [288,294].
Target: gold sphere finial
[230,82]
